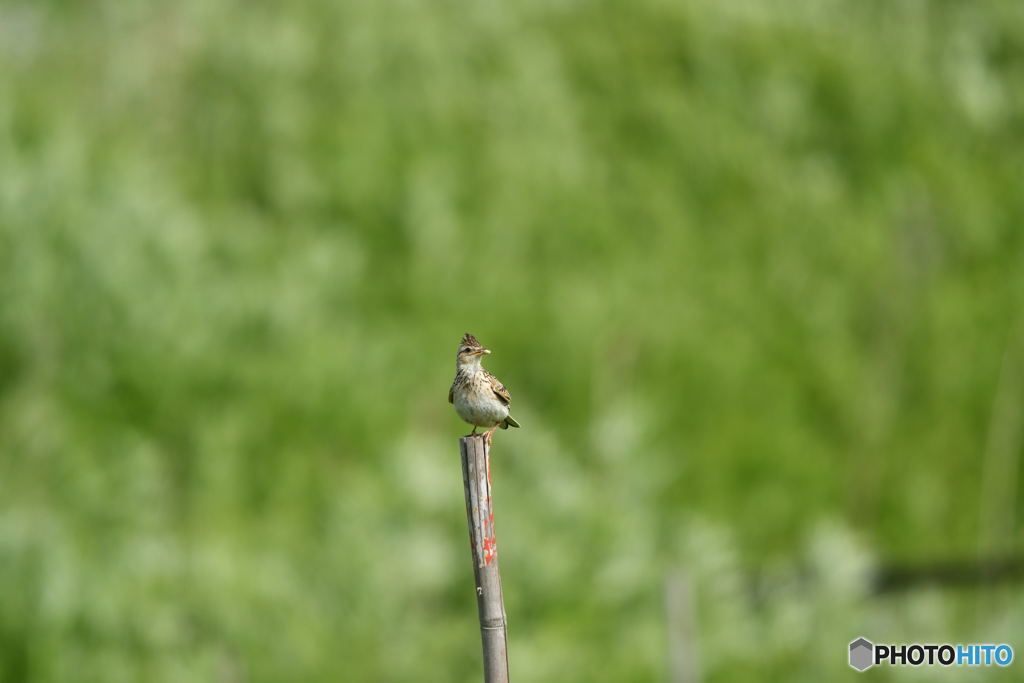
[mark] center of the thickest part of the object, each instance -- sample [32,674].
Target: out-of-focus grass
[745,268]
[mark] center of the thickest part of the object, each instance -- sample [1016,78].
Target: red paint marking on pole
[490,549]
[490,540]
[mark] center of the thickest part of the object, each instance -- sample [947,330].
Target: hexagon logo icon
[862,654]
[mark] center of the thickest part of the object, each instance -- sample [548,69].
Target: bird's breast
[475,401]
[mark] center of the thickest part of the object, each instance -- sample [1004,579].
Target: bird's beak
[485,351]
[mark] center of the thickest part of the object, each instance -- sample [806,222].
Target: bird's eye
[465,350]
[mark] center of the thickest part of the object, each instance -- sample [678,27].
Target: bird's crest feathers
[471,341]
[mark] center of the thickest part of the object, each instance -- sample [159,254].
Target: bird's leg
[472,433]
[489,434]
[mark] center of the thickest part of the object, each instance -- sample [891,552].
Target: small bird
[479,398]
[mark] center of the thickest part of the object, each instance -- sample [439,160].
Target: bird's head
[470,351]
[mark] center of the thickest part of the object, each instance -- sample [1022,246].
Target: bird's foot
[489,435]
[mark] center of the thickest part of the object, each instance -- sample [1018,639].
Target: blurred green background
[752,272]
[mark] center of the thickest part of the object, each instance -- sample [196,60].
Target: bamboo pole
[681,615]
[476,478]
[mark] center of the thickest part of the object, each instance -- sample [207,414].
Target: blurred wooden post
[682,628]
[476,477]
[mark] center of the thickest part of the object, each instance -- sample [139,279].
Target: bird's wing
[499,389]
[451,399]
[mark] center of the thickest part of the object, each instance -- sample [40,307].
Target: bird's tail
[509,422]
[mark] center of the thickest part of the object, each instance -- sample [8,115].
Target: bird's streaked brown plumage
[478,396]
